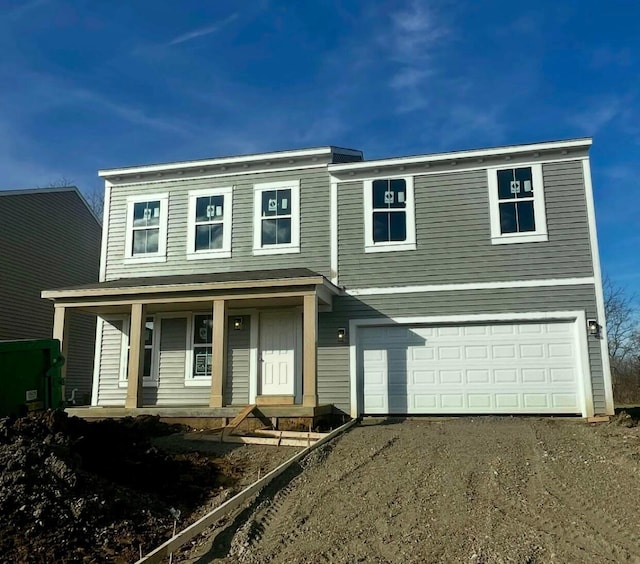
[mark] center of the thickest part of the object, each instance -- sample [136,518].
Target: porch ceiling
[280,287]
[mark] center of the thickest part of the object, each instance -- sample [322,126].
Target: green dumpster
[30,376]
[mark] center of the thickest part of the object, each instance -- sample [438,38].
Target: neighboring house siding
[50,239]
[236,389]
[333,359]
[109,392]
[314,226]
[453,234]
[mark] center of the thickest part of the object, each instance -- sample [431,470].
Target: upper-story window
[389,215]
[146,238]
[209,225]
[516,198]
[276,218]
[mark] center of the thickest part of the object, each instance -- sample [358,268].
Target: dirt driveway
[451,490]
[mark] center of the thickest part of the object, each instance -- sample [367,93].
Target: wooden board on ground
[184,536]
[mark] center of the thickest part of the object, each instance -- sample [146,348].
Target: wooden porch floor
[284,411]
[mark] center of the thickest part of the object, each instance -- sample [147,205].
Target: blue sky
[96,84]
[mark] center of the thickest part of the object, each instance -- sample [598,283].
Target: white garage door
[488,368]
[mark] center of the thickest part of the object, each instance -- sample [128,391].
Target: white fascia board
[470,286]
[224,161]
[474,154]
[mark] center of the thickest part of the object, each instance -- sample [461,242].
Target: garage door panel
[481,368]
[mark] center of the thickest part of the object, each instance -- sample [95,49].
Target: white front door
[278,334]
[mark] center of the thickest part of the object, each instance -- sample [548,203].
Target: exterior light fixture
[342,335]
[593,327]
[237,323]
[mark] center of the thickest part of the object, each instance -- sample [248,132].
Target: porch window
[149,372]
[276,218]
[210,220]
[201,345]
[146,237]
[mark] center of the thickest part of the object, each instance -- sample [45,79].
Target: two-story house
[309,280]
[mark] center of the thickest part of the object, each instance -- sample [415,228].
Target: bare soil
[475,490]
[73,491]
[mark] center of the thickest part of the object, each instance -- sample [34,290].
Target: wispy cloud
[598,114]
[413,38]
[202,31]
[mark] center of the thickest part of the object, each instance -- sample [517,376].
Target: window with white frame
[146,238]
[209,223]
[149,371]
[201,348]
[276,218]
[517,209]
[389,215]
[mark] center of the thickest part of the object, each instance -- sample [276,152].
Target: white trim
[97,359]
[294,245]
[161,254]
[333,229]
[424,170]
[584,365]
[595,256]
[577,316]
[539,208]
[160,179]
[227,223]
[301,153]
[480,153]
[409,244]
[106,211]
[470,286]
[124,350]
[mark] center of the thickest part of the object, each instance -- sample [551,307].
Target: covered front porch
[199,336]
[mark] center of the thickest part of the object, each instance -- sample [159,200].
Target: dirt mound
[73,491]
[623,419]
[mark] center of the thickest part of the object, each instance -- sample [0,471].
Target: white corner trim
[288,248]
[410,218]
[161,254]
[577,316]
[539,207]
[106,211]
[333,229]
[97,359]
[470,286]
[227,223]
[595,257]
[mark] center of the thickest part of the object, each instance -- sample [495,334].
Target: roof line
[473,153]
[181,165]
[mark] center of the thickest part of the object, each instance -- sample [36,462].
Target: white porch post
[61,332]
[136,355]
[310,350]
[218,350]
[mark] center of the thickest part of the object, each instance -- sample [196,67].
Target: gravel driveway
[450,490]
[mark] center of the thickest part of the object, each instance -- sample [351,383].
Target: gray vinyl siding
[333,359]
[314,226]
[236,388]
[454,239]
[109,392]
[50,239]
[172,364]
